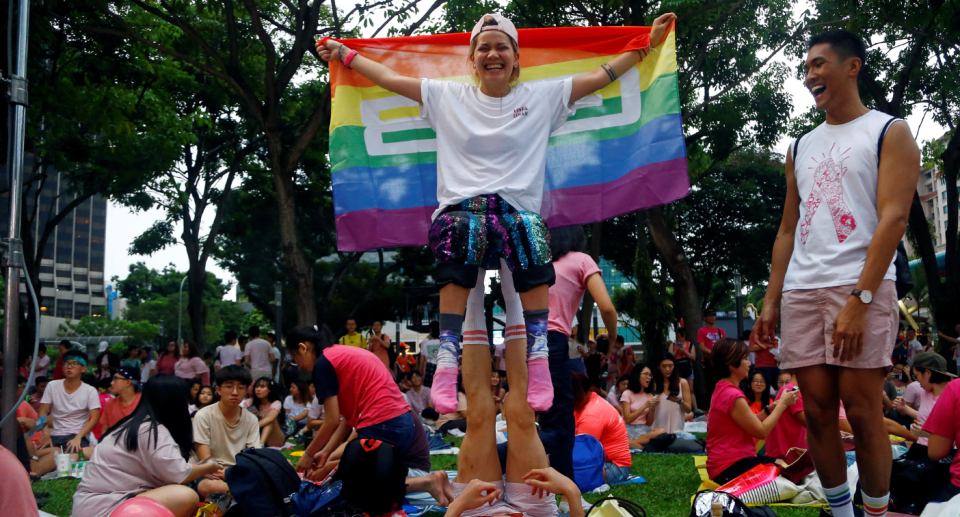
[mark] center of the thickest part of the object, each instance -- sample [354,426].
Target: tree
[255,50]
[88,119]
[135,333]
[913,61]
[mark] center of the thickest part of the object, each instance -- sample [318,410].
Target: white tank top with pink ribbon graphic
[837,175]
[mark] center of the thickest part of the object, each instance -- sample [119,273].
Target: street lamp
[737,287]
[180,313]
[278,299]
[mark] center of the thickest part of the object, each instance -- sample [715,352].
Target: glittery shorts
[478,231]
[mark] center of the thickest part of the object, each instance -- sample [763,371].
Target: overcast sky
[123,225]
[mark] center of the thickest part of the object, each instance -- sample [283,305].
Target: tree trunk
[948,307]
[685,290]
[197,310]
[299,270]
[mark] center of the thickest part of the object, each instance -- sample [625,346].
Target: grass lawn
[671,481]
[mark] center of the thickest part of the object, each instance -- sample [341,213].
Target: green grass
[671,481]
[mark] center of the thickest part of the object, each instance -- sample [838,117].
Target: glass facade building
[72,268]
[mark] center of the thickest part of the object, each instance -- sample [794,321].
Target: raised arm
[381,75]
[607,73]
[608,313]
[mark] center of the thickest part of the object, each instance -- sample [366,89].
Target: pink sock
[539,384]
[444,390]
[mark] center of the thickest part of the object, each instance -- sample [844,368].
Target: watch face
[866,297]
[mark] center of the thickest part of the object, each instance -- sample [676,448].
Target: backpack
[588,458]
[904,280]
[367,463]
[732,507]
[263,483]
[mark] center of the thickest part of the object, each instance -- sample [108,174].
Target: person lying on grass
[352,383]
[145,455]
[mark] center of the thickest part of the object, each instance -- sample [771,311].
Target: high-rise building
[933,197]
[72,268]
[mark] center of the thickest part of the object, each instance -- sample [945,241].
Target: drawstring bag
[732,506]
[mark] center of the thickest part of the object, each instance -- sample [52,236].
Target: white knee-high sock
[840,499]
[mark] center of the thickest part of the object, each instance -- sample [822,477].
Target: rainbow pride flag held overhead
[623,150]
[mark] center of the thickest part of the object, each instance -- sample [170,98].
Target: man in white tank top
[850,183]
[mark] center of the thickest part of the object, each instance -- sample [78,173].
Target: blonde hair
[514,77]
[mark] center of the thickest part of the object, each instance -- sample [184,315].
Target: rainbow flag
[622,151]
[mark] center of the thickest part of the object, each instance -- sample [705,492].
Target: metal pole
[278,299]
[737,286]
[180,314]
[11,327]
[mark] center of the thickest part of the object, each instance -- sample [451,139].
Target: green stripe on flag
[347,147]
[611,106]
[409,135]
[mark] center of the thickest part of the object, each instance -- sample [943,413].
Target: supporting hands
[477,494]
[548,481]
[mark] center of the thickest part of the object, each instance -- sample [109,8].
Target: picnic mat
[809,492]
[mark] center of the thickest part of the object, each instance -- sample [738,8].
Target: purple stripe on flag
[651,185]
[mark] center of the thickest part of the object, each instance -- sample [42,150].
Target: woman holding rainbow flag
[491,156]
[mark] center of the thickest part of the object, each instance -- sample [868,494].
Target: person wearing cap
[107,361]
[931,371]
[491,155]
[406,362]
[73,406]
[125,389]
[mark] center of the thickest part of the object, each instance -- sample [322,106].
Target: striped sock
[840,501]
[875,506]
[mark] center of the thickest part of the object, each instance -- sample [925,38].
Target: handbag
[732,506]
[799,465]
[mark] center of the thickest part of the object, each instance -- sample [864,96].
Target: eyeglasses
[72,364]
[781,383]
[119,378]
[760,382]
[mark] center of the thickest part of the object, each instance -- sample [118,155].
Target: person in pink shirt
[709,334]
[190,366]
[931,371]
[943,430]
[167,362]
[639,404]
[598,419]
[791,430]
[731,425]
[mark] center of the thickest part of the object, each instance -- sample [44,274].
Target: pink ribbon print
[828,185]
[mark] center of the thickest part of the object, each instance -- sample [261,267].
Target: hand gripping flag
[623,150]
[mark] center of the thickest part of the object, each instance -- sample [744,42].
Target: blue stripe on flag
[400,187]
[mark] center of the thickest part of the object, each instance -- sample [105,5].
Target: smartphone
[795,388]
[675,394]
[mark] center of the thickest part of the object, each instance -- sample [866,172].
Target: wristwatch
[864,295]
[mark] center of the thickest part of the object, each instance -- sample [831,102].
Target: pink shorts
[807,317]
[515,500]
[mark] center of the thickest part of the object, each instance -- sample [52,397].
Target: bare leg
[212,486]
[436,484]
[453,299]
[524,450]
[820,385]
[180,500]
[535,299]
[645,439]
[860,390]
[272,435]
[478,452]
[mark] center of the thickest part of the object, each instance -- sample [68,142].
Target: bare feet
[438,485]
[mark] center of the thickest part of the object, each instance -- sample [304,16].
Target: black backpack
[263,483]
[374,478]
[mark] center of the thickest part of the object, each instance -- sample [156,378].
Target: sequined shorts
[478,231]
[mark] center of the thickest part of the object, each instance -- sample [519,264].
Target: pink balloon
[141,507]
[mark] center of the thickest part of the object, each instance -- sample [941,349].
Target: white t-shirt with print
[494,145]
[69,412]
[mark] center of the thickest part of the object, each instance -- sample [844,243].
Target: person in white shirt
[491,157]
[230,354]
[913,346]
[41,364]
[73,406]
[850,185]
[149,364]
[258,355]
[276,363]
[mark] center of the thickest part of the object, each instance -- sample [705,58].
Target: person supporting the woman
[352,382]
[674,393]
[145,455]
[731,426]
[490,180]
[639,404]
[598,419]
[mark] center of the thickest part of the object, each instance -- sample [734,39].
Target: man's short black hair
[846,44]
[229,336]
[620,339]
[39,379]
[352,319]
[66,343]
[709,313]
[253,331]
[271,335]
[233,373]
[21,380]
[41,348]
